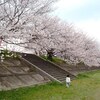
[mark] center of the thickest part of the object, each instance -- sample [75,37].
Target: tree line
[31,22]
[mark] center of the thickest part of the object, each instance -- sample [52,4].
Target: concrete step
[48,67]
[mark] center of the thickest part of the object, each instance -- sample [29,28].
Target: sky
[84,14]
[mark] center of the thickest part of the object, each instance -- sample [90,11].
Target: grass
[55,60]
[85,87]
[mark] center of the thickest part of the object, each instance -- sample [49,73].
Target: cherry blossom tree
[16,17]
[28,22]
[71,45]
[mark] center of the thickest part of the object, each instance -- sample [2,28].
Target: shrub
[4,54]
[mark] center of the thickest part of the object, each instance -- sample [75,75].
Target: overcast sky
[85,14]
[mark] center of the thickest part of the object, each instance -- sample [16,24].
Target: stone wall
[17,73]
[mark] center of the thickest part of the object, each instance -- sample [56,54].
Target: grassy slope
[85,87]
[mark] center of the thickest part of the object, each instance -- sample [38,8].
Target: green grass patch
[85,87]
[55,59]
